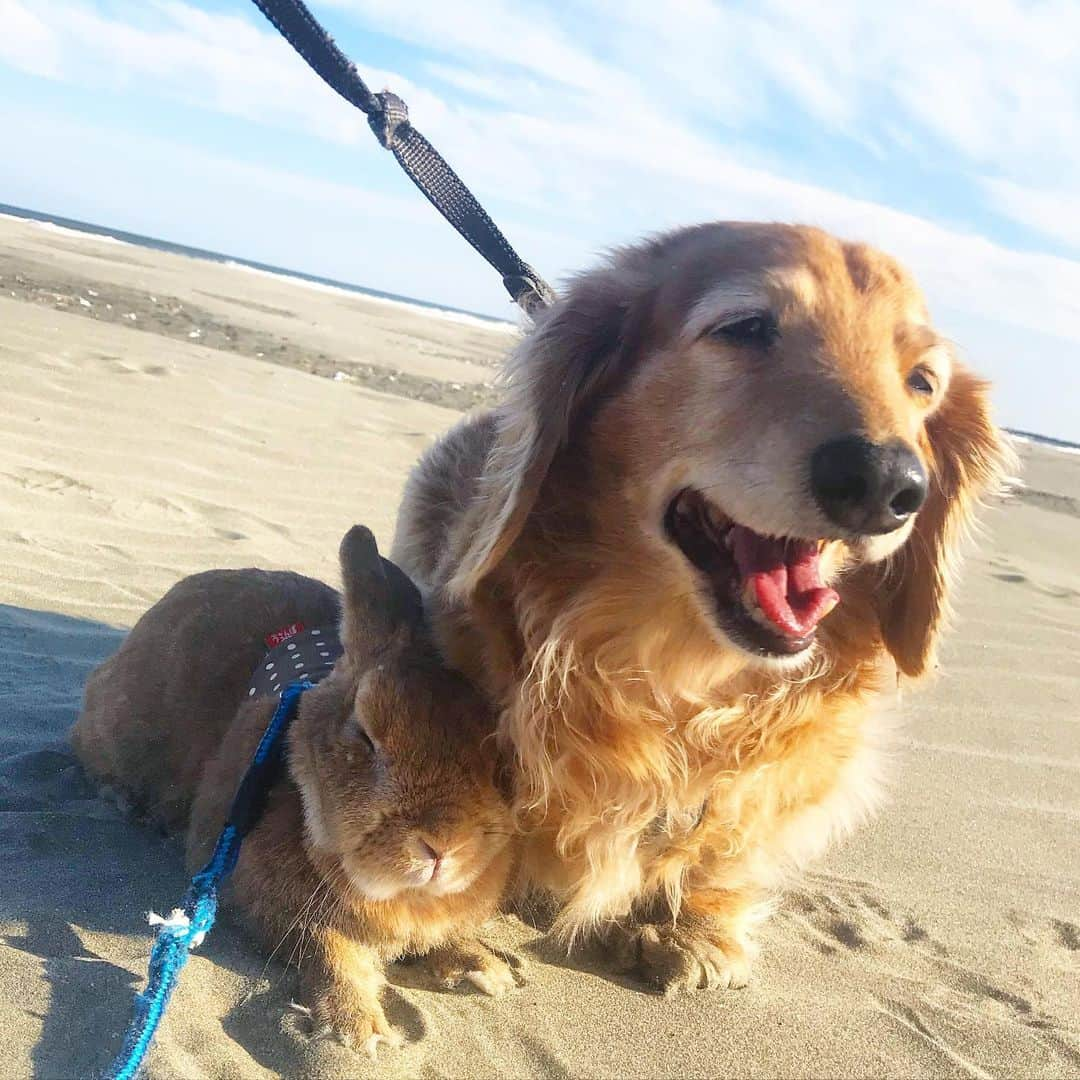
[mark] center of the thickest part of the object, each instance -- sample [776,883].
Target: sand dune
[944,940]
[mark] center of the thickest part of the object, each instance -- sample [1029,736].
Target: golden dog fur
[668,780]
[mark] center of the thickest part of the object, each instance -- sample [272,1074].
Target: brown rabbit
[390,833]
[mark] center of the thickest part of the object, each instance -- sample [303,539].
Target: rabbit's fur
[390,833]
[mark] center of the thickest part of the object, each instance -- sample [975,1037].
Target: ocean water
[119,236]
[1063,445]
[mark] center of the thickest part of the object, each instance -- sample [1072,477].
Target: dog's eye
[758,331]
[919,381]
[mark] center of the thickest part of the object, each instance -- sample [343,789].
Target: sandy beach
[163,415]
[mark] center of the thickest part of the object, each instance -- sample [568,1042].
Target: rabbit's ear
[381,603]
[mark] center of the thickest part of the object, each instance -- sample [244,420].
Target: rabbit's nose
[431,855]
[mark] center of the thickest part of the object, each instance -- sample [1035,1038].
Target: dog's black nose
[867,488]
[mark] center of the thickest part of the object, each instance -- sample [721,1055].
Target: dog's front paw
[472,963]
[675,960]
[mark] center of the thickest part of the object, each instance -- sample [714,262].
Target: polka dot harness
[304,654]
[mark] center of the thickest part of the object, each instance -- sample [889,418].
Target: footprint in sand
[46,482]
[834,913]
[229,524]
[154,509]
[1068,934]
[837,915]
[1056,939]
[199,517]
[1013,575]
[114,365]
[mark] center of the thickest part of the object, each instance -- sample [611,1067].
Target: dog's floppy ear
[382,605]
[967,457]
[553,374]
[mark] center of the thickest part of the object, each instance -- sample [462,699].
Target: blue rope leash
[186,926]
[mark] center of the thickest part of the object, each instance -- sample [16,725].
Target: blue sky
[947,134]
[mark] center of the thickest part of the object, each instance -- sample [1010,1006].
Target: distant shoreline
[1044,440]
[314,280]
[153,243]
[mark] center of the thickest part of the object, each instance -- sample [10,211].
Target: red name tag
[278,636]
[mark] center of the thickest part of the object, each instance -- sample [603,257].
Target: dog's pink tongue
[785,578]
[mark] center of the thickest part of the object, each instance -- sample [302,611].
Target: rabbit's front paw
[454,964]
[355,1020]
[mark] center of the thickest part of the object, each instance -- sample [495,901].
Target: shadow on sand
[79,877]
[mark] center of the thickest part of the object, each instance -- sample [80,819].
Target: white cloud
[1000,80]
[997,81]
[498,32]
[1054,212]
[27,43]
[216,61]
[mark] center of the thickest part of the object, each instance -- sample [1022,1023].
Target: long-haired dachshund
[717,511]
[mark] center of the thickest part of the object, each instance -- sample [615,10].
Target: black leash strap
[388,117]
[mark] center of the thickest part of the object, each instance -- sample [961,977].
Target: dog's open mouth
[767,590]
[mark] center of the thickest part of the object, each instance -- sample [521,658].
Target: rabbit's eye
[355,733]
